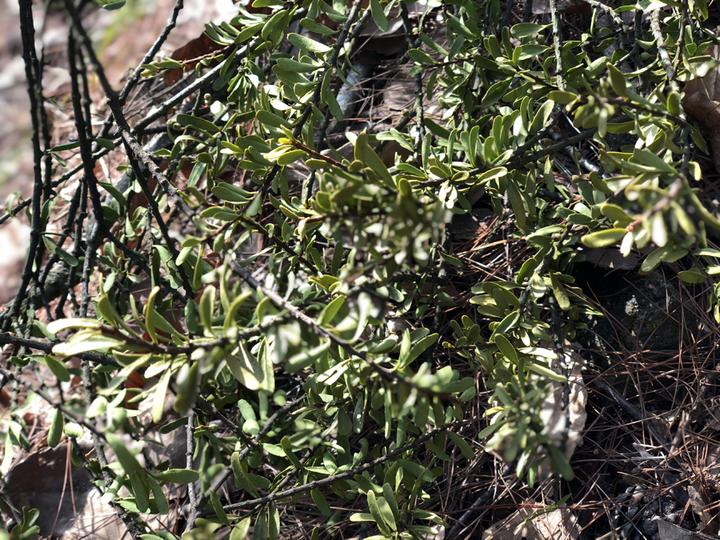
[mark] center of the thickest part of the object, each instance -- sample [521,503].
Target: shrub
[341,313]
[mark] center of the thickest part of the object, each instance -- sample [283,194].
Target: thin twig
[556,44]
[155,114]
[660,44]
[27,31]
[189,450]
[412,40]
[151,52]
[89,174]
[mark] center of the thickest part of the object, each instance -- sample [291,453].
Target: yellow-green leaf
[604,238]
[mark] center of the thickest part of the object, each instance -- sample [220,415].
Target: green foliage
[331,324]
[26,529]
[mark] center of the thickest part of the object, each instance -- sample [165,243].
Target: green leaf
[233,309]
[540,120]
[288,64]
[188,380]
[562,97]
[59,325]
[160,504]
[107,311]
[67,146]
[462,445]
[658,229]
[290,455]
[365,154]
[127,461]
[86,341]
[56,429]
[74,430]
[391,499]
[651,162]
[64,256]
[149,314]
[667,254]
[506,348]
[316,27]
[417,348]
[673,103]
[361,517]
[140,490]
[240,531]
[491,174]
[274,26]
[328,96]
[331,375]
[604,238]
[330,310]
[247,370]
[617,81]
[496,92]
[159,395]
[284,154]
[378,15]
[616,214]
[177,476]
[386,513]
[304,43]
[508,322]
[421,57]
[306,357]
[381,513]
[201,124]
[58,368]
[110,4]
[115,193]
[290,157]
[207,308]
[232,193]
[220,213]
[522,30]
[560,292]
[692,276]
[686,224]
[545,372]
[267,381]
[320,501]
[518,207]
[260,531]
[560,463]
[364,304]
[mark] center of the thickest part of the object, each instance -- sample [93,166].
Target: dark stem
[27,31]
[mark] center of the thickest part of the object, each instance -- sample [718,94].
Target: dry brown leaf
[39,481]
[702,102]
[190,54]
[5,399]
[559,524]
[564,427]
[14,244]
[700,506]
[670,531]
